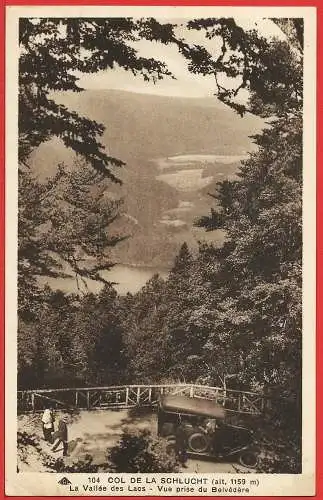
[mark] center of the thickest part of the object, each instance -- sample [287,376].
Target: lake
[127,278]
[181,161]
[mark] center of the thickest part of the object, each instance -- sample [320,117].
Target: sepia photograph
[158,248]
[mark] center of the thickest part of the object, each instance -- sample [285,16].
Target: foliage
[258,270]
[142,325]
[84,465]
[86,347]
[279,457]
[63,222]
[235,311]
[52,52]
[63,230]
[280,445]
[270,70]
[139,451]
[25,442]
[167,324]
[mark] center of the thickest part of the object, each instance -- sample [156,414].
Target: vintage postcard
[160,251]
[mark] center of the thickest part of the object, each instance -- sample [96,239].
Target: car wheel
[198,442]
[248,459]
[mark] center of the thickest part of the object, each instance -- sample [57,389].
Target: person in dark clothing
[181,444]
[61,436]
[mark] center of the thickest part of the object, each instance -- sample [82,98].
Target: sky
[186,83]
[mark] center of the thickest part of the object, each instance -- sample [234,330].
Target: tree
[182,261]
[144,336]
[167,324]
[270,70]
[52,51]
[63,223]
[98,331]
[259,266]
[63,231]
[72,341]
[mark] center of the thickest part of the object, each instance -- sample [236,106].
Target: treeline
[72,341]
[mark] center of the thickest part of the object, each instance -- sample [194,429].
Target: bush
[279,457]
[280,447]
[27,444]
[139,451]
[85,465]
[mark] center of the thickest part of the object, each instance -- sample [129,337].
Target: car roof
[193,406]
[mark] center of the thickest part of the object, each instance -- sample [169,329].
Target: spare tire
[248,459]
[171,444]
[198,442]
[167,429]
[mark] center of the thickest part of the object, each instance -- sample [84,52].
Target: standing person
[211,427]
[61,435]
[48,424]
[181,444]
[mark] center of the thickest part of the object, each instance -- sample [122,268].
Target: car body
[197,426]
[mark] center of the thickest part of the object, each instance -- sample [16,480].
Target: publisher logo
[64,481]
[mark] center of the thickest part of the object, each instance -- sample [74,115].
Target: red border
[319,271]
[2,215]
[319,224]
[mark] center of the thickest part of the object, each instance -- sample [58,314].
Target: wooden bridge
[131,396]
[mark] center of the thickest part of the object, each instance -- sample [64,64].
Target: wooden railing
[131,396]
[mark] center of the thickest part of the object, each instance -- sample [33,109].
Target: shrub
[85,465]
[26,444]
[139,451]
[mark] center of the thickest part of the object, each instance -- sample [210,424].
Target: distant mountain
[176,149]
[149,126]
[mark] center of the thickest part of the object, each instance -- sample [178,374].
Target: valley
[175,150]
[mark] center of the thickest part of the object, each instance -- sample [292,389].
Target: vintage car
[197,426]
